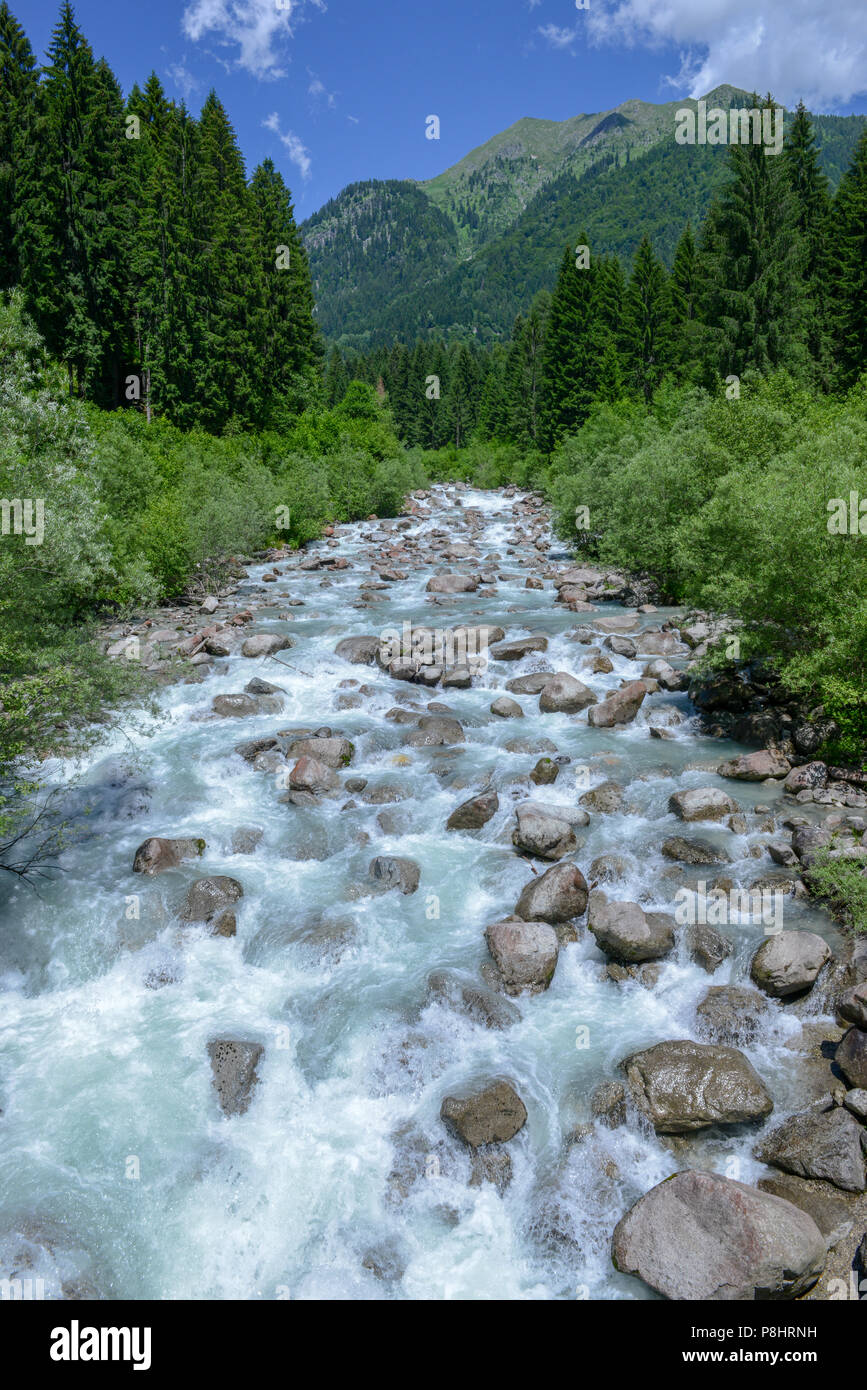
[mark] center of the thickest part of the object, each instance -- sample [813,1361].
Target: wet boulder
[473,814]
[542,833]
[390,871]
[265,644]
[607,797]
[493,1115]
[210,900]
[702,803]
[235,706]
[626,933]
[525,954]
[452,584]
[359,651]
[755,767]
[825,1145]
[518,648]
[789,962]
[505,708]
[558,895]
[435,731]
[851,1058]
[312,776]
[693,851]
[533,684]
[702,1237]
[563,694]
[684,1086]
[731,1014]
[852,1005]
[156,855]
[235,1066]
[619,708]
[333,752]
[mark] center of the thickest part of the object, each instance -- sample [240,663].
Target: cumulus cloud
[298,153]
[258,29]
[558,37]
[792,48]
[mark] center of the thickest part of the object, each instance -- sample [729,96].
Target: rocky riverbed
[421,935]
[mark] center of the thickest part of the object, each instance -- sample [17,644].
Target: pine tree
[568,371]
[523,373]
[813,217]
[336,378]
[647,322]
[18,95]
[463,395]
[609,292]
[850,268]
[752,266]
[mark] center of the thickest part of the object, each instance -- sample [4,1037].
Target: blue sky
[339,90]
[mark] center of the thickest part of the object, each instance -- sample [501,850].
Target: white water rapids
[119,1175]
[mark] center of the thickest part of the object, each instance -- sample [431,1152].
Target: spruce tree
[850,268]
[813,216]
[18,84]
[568,370]
[647,322]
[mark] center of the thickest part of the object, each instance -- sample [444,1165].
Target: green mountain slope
[465,252]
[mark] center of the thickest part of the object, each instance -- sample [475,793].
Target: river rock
[851,1058]
[311,775]
[563,694]
[608,868]
[390,871]
[684,1086]
[265,644]
[156,855]
[333,752]
[234,1065]
[707,947]
[209,900]
[435,731]
[789,962]
[542,834]
[607,798]
[693,851]
[505,708]
[807,777]
[533,684]
[545,772]
[702,1237]
[517,648]
[702,803]
[818,1144]
[626,933]
[525,954]
[755,767]
[852,1005]
[490,1116]
[452,584]
[731,1014]
[831,1214]
[235,706]
[360,651]
[478,1003]
[558,895]
[473,814]
[608,1104]
[619,708]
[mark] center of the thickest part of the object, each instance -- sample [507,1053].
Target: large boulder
[210,900]
[702,803]
[628,934]
[807,777]
[789,962]
[360,651]
[156,855]
[389,871]
[234,1065]
[702,1237]
[435,731]
[506,708]
[607,797]
[683,1086]
[558,895]
[533,684]
[852,1005]
[693,851]
[541,833]
[525,954]
[851,1058]
[473,814]
[452,584]
[563,694]
[311,775]
[235,706]
[518,648]
[619,708]
[818,1144]
[755,767]
[265,644]
[731,1014]
[490,1116]
[333,752]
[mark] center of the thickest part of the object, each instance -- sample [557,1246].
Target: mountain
[461,254]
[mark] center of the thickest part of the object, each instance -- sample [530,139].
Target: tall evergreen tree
[569,370]
[18,93]
[850,268]
[813,219]
[647,316]
[523,373]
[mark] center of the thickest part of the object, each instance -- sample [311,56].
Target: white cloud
[319,91]
[183,79]
[257,28]
[557,37]
[298,153]
[792,48]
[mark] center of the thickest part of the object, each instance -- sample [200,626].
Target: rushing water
[119,1175]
